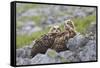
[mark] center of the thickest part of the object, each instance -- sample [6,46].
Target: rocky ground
[80,48]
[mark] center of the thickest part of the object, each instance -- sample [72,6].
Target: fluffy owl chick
[55,29]
[69,26]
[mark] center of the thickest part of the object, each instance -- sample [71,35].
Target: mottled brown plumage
[41,45]
[59,43]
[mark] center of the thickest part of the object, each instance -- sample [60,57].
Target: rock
[76,42]
[89,11]
[88,53]
[20,52]
[22,61]
[65,55]
[43,59]
[30,12]
[91,31]
[24,52]
[92,28]
[79,13]
[27,52]
[51,53]
[37,59]
[28,28]
[51,20]
[69,56]
[46,59]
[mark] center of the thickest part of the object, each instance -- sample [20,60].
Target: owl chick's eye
[54,28]
[69,23]
[58,28]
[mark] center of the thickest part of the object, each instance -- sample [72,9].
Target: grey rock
[24,52]
[89,10]
[22,61]
[51,56]
[27,52]
[47,59]
[88,52]
[28,28]
[92,28]
[69,56]
[20,52]
[66,54]
[76,42]
[79,13]
[91,31]
[37,59]
[43,59]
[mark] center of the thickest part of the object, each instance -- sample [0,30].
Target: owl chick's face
[68,24]
[55,29]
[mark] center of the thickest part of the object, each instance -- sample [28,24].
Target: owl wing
[41,45]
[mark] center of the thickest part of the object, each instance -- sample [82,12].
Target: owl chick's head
[55,29]
[68,24]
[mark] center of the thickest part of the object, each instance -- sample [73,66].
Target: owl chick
[45,41]
[69,26]
[55,29]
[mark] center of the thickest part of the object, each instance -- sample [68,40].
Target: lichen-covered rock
[69,56]
[91,31]
[37,59]
[22,61]
[88,52]
[20,52]
[43,59]
[51,53]
[92,27]
[76,42]
[24,52]
[55,56]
